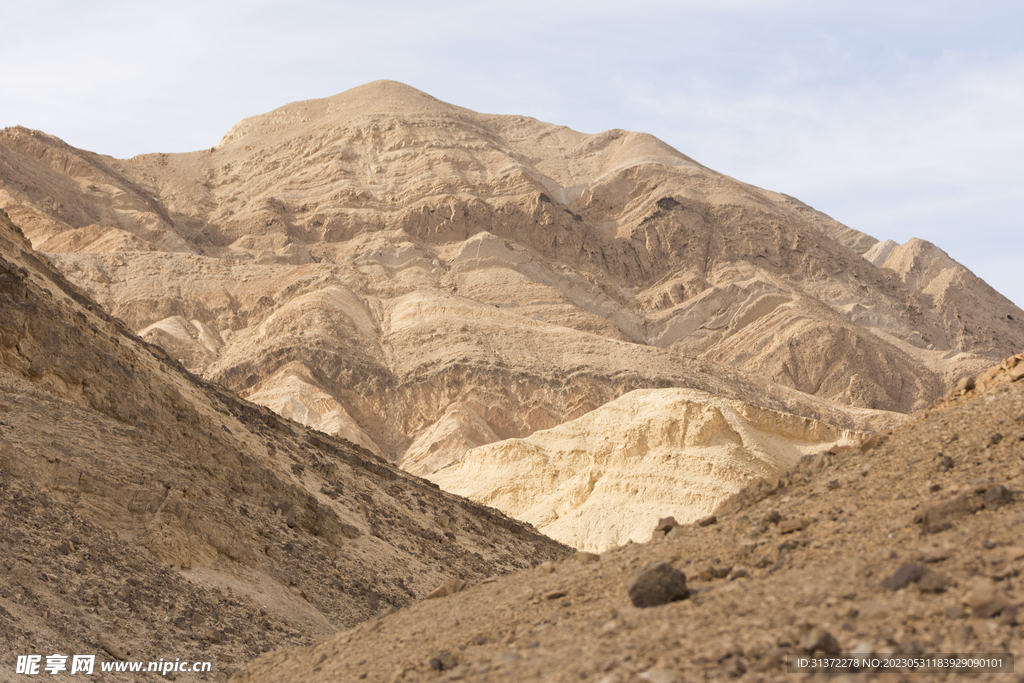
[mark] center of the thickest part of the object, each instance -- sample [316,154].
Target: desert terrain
[423,280]
[223,375]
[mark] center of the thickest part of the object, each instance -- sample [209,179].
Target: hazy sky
[899,118]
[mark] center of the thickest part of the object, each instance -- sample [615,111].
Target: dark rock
[819,640]
[933,582]
[989,608]
[791,524]
[997,496]
[656,583]
[737,573]
[936,516]
[707,521]
[666,524]
[907,573]
[444,661]
[1009,615]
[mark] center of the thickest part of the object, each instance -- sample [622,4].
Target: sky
[900,118]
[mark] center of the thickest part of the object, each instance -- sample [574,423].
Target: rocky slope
[423,279]
[149,513]
[605,478]
[912,547]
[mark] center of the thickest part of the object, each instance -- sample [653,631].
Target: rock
[933,582]
[997,496]
[737,573]
[105,642]
[905,575]
[1017,373]
[555,594]
[587,558]
[709,573]
[444,661]
[989,608]
[984,600]
[1009,615]
[819,640]
[936,554]
[666,524]
[965,384]
[791,524]
[870,442]
[946,463]
[936,517]
[449,587]
[656,583]
[707,521]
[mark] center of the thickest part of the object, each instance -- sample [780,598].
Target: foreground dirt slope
[911,547]
[423,279]
[147,508]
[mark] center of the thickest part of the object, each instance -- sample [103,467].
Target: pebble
[791,524]
[555,594]
[707,521]
[936,554]
[906,574]
[666,524]
[738,573]
[449,587]
[984,600]
[997,496]
[104,641]
[656,583]
[820,640]
[443,661]
[933,582]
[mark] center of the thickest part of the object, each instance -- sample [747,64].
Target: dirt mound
[164,514]
[911,547]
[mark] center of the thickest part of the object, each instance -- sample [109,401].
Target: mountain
[423,280]
[912,547]
[150,513]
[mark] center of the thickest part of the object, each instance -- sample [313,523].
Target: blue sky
[901,118]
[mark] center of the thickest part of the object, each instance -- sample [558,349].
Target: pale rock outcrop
[606,478]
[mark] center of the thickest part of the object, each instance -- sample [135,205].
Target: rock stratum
[598,482]
[423,279]
[148,512]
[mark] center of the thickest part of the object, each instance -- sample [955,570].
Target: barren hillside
[148,512]
[913,547]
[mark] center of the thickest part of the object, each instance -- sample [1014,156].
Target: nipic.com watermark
[36,665]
